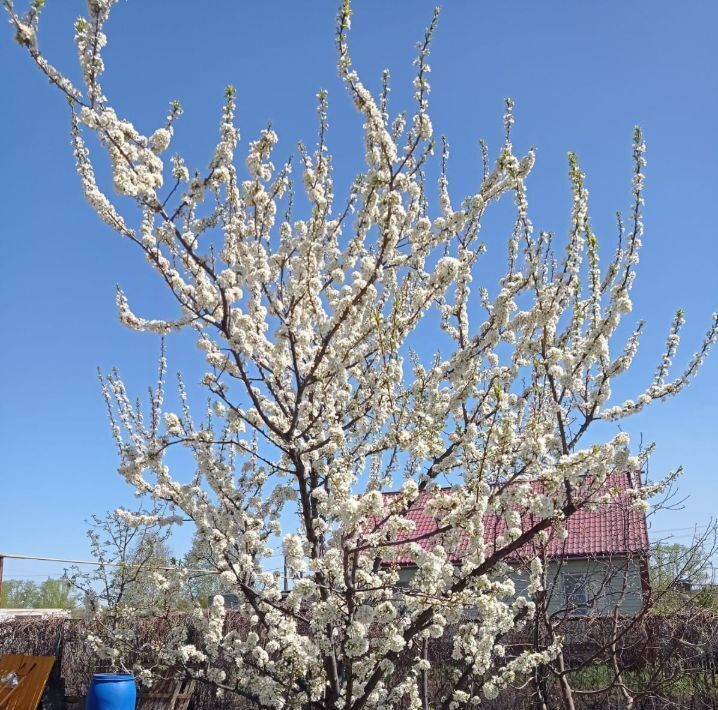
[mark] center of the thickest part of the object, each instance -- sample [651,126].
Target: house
[601,565]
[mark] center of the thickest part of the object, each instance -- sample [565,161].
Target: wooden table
[32,672]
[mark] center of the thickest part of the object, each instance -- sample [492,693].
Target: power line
[100,564]
[37,558]
[689,527]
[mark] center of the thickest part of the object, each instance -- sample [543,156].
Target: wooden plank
[33,672]
[186,695]
[168,694]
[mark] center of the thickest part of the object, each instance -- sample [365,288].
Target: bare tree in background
[132,560]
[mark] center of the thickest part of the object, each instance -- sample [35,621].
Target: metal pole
[1,565]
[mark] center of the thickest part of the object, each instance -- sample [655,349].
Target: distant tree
[129,556]
[151,553]
[25,594]
[671,562]
[202,587]
[18,594]
[55,594]
[681,572]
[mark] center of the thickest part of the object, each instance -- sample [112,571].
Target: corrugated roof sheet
[613,529]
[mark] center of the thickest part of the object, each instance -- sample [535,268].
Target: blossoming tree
[323,399]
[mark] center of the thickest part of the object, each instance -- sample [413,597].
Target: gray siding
[603,583]
[600,585]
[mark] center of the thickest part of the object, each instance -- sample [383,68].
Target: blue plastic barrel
[112,691]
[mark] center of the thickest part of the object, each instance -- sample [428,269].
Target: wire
[690,527]
[36,558]
[100,564]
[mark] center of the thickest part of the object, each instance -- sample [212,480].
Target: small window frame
[575,590]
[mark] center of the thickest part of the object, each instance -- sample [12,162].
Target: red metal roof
[613,529]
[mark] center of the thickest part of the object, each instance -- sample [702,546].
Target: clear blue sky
[582,74]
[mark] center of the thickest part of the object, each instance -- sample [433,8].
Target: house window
[575,593]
